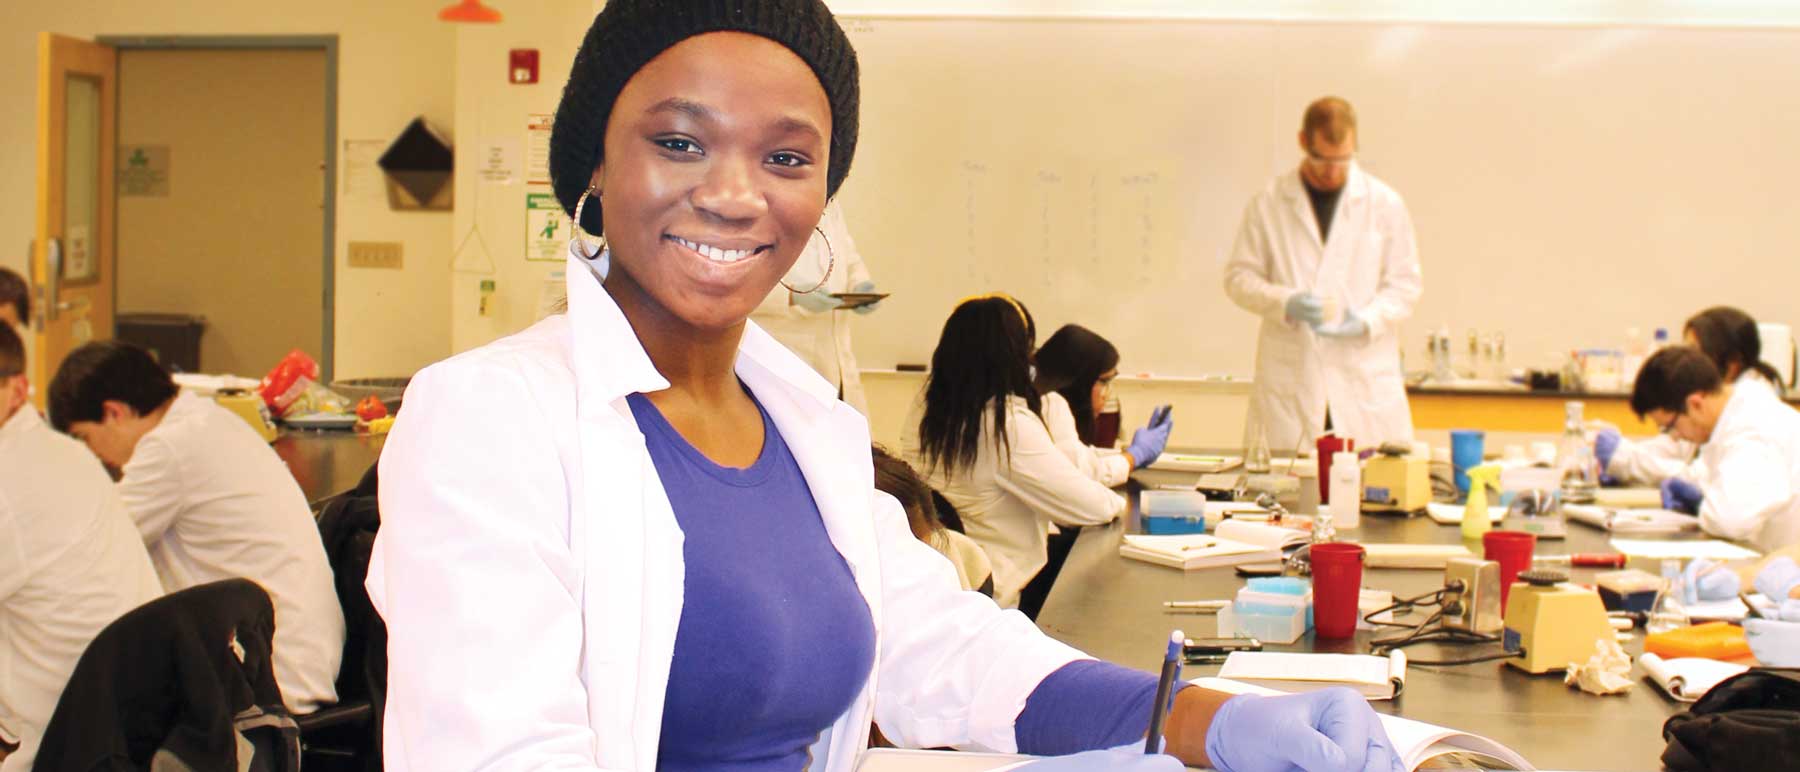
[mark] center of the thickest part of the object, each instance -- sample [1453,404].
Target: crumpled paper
[1607,672]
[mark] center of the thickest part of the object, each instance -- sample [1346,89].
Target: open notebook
[1686,678]
[1193,551]
[1377,678]
[1194,462]
[1631,521]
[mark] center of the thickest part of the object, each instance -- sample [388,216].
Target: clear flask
[1575,458]
[1668,612]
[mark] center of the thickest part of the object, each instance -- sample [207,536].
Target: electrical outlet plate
[375,254]
[1478,604]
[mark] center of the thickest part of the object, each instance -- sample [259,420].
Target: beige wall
[395,61]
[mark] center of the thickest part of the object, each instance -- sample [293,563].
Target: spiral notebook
[1377,678]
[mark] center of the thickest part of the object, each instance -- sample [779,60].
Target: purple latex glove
[1329,730]
[1679,495]
[1606,444]
[1148,443]
[1706,580]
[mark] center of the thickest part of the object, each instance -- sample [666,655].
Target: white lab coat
[1752,470]
[1009,501]
[529,566]
[821,339]
[1109,468]
[212,501]
[1650,461]
[1370,265]
[70,564]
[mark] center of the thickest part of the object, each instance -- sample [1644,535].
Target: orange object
[287,380]
[371,408]
[469,10]
[1713,640]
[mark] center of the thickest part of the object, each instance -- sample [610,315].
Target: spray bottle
[1475,512]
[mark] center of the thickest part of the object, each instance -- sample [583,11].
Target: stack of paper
[1191,462]
[1261,534]
[1377,678]
[1192,551]
[1711,549]
[1432,556]
[1452,514]
[1686,678]
[1634,521]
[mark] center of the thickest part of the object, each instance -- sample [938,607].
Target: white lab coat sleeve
[1748,485]
[151,487]
[1649,462]
[955,669]
[473,574]
[1402,280]
[15,570]
[1047,481]
[1247,270]
[1109,469]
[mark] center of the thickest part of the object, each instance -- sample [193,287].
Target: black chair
[347,736]
[175,684]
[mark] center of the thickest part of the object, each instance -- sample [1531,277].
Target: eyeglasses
[1337,162]
[1669,428]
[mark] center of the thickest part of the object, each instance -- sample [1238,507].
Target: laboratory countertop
[327,462]
[1111,607]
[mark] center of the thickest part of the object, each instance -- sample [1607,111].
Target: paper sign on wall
[537,148]
[144,170]
[499,160]
[546,226]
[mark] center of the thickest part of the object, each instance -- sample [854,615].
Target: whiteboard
[1565,182]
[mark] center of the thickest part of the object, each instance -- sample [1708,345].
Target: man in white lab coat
[1326,257]
[1749,447]
[211,501]
[70,562]
[811,322]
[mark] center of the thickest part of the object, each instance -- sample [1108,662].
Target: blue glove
[1606,445]
[1129,758]
[1706,580]
[1148,443]
[1679,495]
[1306,307]
[1329,730]
[1775,643]
[817,301]
[1352,326]
[1776,581]
[865,286]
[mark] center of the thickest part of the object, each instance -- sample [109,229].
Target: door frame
[328,44]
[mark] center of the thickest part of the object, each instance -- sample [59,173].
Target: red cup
[1328,445]
[1337,585]
[1512,550]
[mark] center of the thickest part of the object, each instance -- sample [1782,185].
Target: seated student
[1749,447]
[15,309]
[1729,337]
[978,436]
[70,561]
[896,478]
[211,501]
[1075,371]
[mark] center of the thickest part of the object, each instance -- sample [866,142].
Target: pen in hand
[1164,688]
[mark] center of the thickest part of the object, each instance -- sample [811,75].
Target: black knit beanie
[629,33]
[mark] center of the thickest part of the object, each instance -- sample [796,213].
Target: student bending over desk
[642,535]
[70,561]
[211,501]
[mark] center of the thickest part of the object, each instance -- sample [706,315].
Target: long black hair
[983,358]
[1728,336]
[1069,363]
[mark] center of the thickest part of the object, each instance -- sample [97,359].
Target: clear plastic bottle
[1575,458]
[1668,612]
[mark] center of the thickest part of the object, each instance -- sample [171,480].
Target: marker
[1164,686]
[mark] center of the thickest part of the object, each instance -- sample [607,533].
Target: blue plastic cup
[1465,454]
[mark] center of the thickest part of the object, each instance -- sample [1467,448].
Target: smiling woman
[574,518]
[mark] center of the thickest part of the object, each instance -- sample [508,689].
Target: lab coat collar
[22,422]
[610,363]
[1356,186]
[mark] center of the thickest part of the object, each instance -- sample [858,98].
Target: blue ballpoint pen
[1165,687]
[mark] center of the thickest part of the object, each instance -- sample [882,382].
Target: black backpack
[1748,723]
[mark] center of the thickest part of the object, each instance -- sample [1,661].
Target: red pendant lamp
[469,11]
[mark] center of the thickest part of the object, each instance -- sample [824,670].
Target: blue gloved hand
[1306,308]
[865,286]
[1352,326]
[1679,495]
[1777,580]
[1329,730]
[1148,443]
[1775,642]
[1128,758]
[1706,580]
[1606,445]
[817,301]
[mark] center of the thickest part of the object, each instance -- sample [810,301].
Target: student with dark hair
[1075,371]
[15,310]
[1749,447]
[1730,339]
[70,561]
[979,437]
[211,501]
[897,478]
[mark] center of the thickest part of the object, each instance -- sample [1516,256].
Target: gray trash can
[173,339]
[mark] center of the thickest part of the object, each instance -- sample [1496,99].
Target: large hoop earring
[575,231]
[830,263]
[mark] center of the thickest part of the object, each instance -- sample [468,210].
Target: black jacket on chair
[180,677]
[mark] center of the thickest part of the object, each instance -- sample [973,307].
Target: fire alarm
[522,65]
